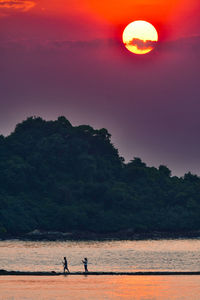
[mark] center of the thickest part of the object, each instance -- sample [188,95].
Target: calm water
[108,256]
[100,288]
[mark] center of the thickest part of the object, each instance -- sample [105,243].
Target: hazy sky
[66,57]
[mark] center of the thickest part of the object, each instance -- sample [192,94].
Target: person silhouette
[65,265]
[85,263]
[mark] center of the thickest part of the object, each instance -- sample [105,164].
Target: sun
[140,37]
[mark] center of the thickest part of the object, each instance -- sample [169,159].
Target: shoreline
[53,273]
[38,235]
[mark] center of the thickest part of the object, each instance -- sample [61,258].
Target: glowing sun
[140,37]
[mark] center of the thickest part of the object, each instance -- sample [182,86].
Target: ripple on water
[178,255]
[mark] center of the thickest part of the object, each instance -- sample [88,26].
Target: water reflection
[100,287]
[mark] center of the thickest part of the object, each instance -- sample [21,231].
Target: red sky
[66,57]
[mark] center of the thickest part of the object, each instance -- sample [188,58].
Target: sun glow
[140,37]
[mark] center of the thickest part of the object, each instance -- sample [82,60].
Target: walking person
[65,265]
[85,263]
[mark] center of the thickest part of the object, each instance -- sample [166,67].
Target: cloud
[94,43]
[22,5]
[141,44]
[187,44]
[190,45]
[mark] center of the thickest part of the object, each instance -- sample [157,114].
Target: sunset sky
[66,57]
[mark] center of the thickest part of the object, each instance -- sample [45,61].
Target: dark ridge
[59,181]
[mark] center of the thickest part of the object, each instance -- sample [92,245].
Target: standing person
[85,263]
[65,265]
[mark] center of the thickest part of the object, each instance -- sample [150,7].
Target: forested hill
[57,177]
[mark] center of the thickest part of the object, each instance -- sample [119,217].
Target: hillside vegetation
[57,177]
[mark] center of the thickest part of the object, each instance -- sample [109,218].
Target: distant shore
[38,235]
[18,273]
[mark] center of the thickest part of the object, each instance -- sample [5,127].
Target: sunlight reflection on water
[100,288]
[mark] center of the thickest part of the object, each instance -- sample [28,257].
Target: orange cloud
[22,5]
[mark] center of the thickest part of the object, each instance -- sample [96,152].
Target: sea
[110,256]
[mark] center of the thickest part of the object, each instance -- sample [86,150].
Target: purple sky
[76,65]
